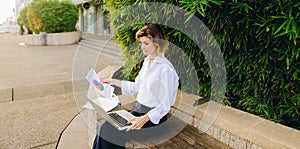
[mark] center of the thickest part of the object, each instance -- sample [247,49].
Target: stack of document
[100,88]
[100,93]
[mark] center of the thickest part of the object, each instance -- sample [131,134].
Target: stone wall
[236,128]
[65,38]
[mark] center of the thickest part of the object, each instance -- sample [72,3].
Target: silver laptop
[118,119]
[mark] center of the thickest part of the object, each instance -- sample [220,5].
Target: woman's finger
[131,127]
[106,80]
[131,120]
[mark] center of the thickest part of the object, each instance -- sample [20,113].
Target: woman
[156,88]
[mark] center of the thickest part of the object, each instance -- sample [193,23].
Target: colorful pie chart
[98,85]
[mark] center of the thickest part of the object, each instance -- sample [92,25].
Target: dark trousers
[109,137]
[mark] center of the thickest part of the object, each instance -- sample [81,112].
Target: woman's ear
[156,44]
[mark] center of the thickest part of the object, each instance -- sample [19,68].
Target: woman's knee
[106,128]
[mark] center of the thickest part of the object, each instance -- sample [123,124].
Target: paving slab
[6,95]
[36,123]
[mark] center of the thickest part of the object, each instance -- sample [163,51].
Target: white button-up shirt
[156,87]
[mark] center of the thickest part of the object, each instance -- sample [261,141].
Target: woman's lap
[109,137]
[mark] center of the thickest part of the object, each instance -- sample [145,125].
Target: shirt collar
[159,59]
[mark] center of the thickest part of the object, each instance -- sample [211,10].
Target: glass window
[91,19]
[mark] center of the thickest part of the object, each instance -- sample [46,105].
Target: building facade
[91,20]
[20,4]
[93,17]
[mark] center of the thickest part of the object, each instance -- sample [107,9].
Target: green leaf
[281,34]
[189,17]
[288,110]
[287,63]
[287,86]
[288,25]
[295,75]
[217,2]
[281,26]
[279,17]
[278,50]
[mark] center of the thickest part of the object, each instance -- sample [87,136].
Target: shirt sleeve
[128,87]
[168,85]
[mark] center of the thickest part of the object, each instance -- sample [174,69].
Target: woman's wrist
[115,82]
[146,118]
[112,81]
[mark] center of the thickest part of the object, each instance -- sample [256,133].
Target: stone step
[99,37]
[105,50]
[38,90]
[103,41]
[101,44]
[95,48]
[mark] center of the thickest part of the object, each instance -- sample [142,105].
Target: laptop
[119,119]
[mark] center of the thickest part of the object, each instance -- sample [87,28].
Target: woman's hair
[155,33]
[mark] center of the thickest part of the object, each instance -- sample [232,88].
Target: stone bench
[233,127]
[207,123]
[237,128]
[186,136]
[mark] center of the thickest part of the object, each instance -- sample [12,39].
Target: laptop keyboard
[119,119]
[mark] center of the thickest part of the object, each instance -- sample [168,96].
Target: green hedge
[260,40]
[51,16]
[260,44]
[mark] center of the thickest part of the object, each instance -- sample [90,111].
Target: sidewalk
[36,97]
[31,65]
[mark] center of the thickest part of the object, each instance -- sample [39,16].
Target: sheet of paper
[105,103]
[96,87]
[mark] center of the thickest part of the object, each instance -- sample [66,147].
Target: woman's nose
[143,46]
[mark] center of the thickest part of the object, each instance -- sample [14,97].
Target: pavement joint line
[60,135]
[43,145]
[12,94]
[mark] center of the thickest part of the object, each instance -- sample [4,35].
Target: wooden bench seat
[189,137]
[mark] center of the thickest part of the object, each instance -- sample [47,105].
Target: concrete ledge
[63,38]
[41,90]
[77,135]
[6,95]
[54,38]
[236,128]
[33,91]
[108,71]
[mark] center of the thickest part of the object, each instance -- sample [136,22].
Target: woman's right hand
[111,81]
[107,81]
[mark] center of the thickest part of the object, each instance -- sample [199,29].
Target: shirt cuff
[125,87]
[155,115]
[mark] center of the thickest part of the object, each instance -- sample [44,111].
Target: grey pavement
[36,96]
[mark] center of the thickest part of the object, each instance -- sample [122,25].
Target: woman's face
[148,47]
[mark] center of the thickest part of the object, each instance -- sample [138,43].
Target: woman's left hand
[138,122]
